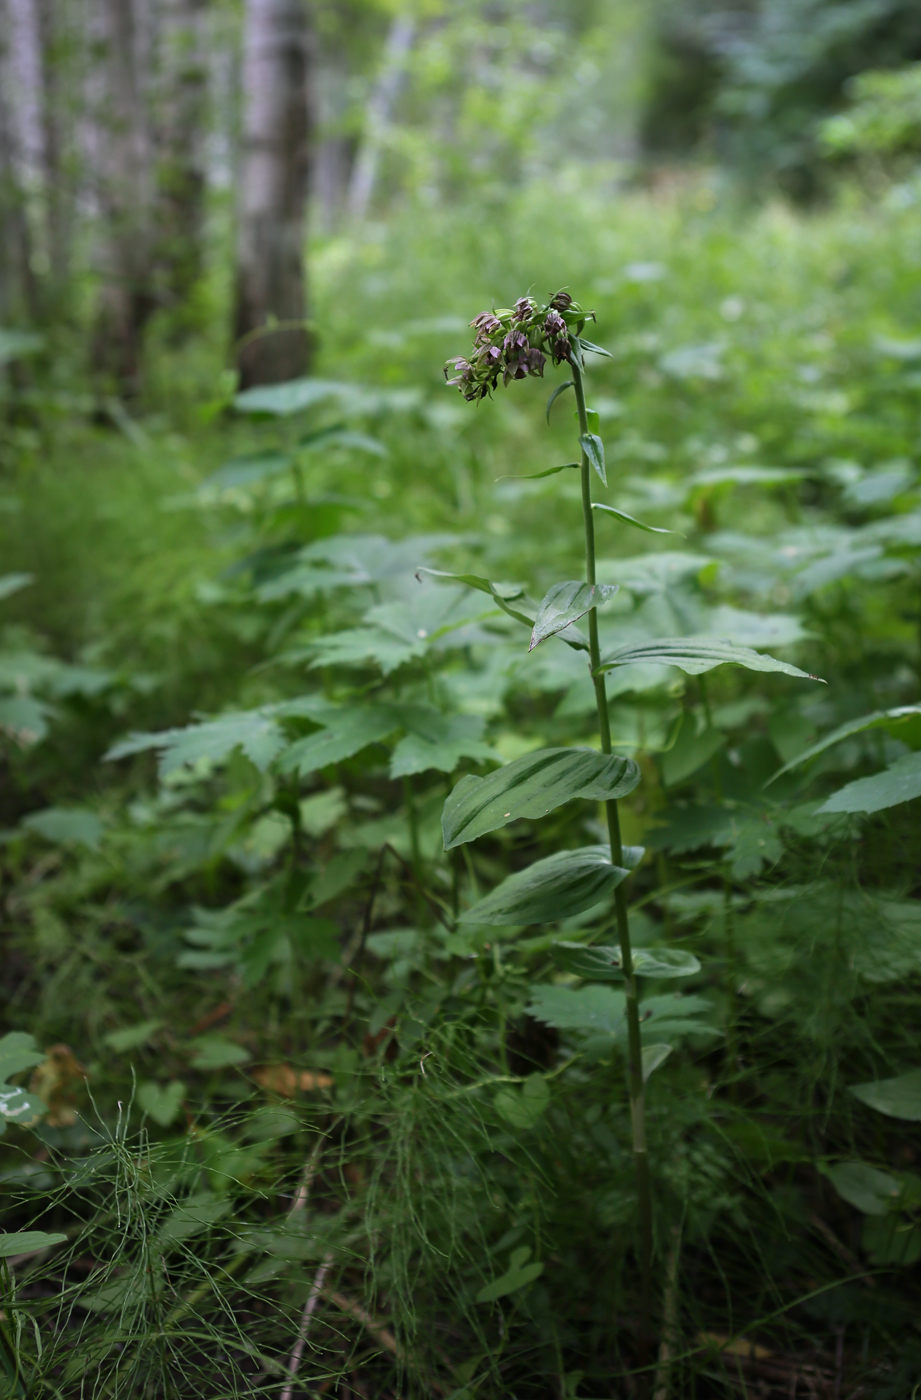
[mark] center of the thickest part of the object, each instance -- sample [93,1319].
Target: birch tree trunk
[183,111]
[274,173]
[126,294]
[20,156]
[364,171]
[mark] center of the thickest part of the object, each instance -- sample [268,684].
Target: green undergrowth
[285,1117]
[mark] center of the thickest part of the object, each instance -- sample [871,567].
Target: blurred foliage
[749,84]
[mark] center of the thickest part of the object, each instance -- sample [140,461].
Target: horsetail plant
[515,344]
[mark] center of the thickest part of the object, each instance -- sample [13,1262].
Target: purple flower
[524,306]
[485,325]
[515,341]
[561,301]
[554,325]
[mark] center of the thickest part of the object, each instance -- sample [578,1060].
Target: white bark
[380,106]
[274,171]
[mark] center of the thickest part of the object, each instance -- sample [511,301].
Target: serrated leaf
[161,1102]
[879,719]
[897,1098]
[632,520]
[592,1009]
[555,888]
[901,782]
[560,389]
[346,732]
[18,1051]
[593,448]
[871,1191]
[532,786]
[565,603]
[438,741]
[256,732]
[696,655]
[27,1242]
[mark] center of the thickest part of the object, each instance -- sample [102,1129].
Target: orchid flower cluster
[515,343]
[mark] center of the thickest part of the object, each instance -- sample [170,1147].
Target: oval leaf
[593,448]
[565,603]
[560,389]
[27,1242]
[698,654]
[897,1098]
[555,888]
[532,786]
[652,1057]
[605,964]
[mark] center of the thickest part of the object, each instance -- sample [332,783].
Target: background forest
[389,1009]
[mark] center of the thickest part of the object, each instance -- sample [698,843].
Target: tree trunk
[19,158]
[364,172]
[180,151]
[273,186]
[126,295]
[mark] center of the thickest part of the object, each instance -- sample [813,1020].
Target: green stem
[635,1084]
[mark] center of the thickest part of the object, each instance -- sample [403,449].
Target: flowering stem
[635,1082]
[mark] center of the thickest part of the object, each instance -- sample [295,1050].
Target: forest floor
[284,1122]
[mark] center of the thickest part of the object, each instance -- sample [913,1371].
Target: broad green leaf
[247,470]
[66,825]
[212,1051]
[346,732]
[131,1037]
[18,1051]
[25,718]
[281,400]
[593,448]
[520,1274]
[632,520]
[192,1217]
[565,603]
[554,888]
[522,1107]
[534,476]
[901,782]
[161,1102]
[871,1191]
[897,1098]
[891,1239]
[27,1242]
[340,874]
[343,438]
[11,583]
[256,732]
[560,389]
[358,645]
[532,786]
[438,741]
[879,719]
[604,963]
[689,752]
[697,654]
[601,1010]
[652,1057]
